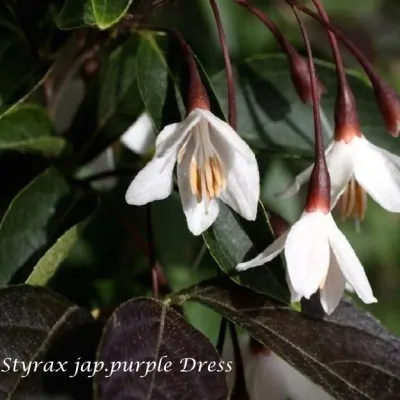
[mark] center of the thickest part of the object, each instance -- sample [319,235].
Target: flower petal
[378,175]
[228,134]
[243,187]
[172,136]
[307,253]
[268,254]
[153,182]
[294,296]
[199,216]
[332,291]
[243,179]
[340,166]
[349,263]
[140,136]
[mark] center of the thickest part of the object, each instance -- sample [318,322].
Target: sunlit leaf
[48,264]
[28,129]
[36,217]
[108,12]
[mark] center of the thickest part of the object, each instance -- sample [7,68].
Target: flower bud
[300,74]
[389,105]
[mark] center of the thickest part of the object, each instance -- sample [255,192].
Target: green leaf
[164,347]
[32,320]
[103,13]
[76,13]
[152,71]
[112,102]
[109,12]
[336,352]
[36,217]
[272,117]
[158,85]
[27,129]
[47,266]
[232,239]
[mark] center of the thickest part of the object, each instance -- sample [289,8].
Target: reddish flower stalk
[387,98]
[298,66]
[228,66]
[197,96]
[319,190]
[346,117]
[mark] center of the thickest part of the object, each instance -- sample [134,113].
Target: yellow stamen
[352,198]
[353,202]
[361,202]
[209,180]
[193,178]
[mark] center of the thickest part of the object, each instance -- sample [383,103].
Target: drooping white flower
[318,256]
[213,163]
[269,377]
[375,170]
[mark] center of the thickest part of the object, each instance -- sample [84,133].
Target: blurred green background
[109,254]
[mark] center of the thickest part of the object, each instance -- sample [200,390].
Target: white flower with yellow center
[358,165]
[318,256]
[213,163]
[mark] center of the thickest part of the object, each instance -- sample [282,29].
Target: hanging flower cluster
[213,164]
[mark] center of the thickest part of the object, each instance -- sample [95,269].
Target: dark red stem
[320,186]
[228,66]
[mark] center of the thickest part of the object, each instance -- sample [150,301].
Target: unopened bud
[389,105]
[347,125]
[300,74]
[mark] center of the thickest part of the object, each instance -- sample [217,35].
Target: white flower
[213,163]
[376,170]
[318,256]
[269,377]
[140,136]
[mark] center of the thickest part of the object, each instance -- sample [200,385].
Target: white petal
[378,175]
[173,135]
[243,187]
[140,136]
[333,289]
[392,157]
[307,253]
[228,134]
[296,385]
[294,296]
[340,165]
[268,254]
[153,182]
[199,216]
[243,179]
[349,263]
